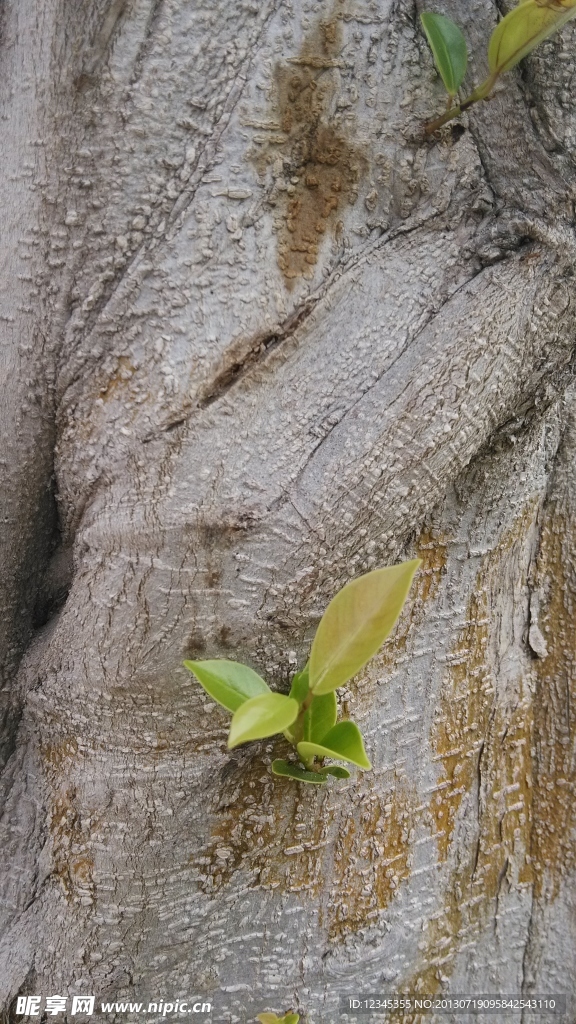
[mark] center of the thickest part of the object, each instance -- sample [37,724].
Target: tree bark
[260,336]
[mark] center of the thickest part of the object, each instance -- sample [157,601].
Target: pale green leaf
[262,716]
[300,685]
[448,48]
[293,771]
[523,28]
[228,682]
[343,743]
[271,1018]
[320,716]
[356,623]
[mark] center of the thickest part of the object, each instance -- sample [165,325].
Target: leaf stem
[480,93]
[298,732]
[295,733]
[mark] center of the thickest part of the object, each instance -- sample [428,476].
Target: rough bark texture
[259,337]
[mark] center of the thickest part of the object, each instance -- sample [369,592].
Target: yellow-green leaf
[523,28]
[320,716]
[448,48]
[228,682]
[343,743]
[356,623]
[262,716]
[271,1018]
[300,685]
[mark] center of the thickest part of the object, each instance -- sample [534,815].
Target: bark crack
[242,356]
[236,368]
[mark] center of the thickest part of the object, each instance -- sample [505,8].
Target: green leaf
[262,716]
[228,682]
[320,716]
[300,685]
[523,28]
[336,770]
[356,623]
[343,743]
[271,1018]
[292,771]
[448,48]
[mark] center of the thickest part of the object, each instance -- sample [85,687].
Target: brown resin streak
[316,168]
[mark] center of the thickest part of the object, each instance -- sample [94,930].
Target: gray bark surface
[258,337]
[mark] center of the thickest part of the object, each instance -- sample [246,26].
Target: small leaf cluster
[271,1018]
[353,627]
[526,25]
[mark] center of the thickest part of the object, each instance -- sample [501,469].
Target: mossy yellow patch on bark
[462,719]
[273,830]
[553,849]
[372,856]
[468,700]
[483,737]
[72,862]
[312,841]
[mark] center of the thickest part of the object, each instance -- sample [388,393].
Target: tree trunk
[259,337]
